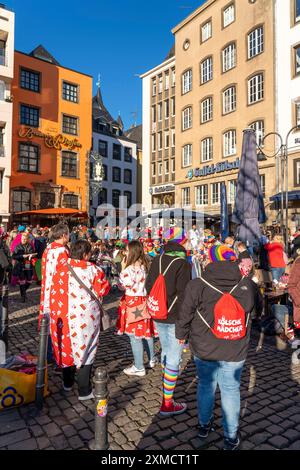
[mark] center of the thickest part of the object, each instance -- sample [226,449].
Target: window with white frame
[229,100]
[206,110]
[229,57]
[160,139]
[153,168]
[173,137]
[187,154]
[186,196]
[229,143]
[187,81]
[173,165]
[167,140]
[232,186]
[255,42]
[259,127]
[160,168]
[228,15]
[153,114]
[167,167]
[297,10]
[206,70]
[167,109]
[153,142]
[206,31]
[173,77]
[207,149]
[201,195]
[215,193]
[297,172]
[167,80]
[160,84]
[256,88]
[159,112]
[187,118]
[154,87]
[262,179]
[297,114]
[173,106]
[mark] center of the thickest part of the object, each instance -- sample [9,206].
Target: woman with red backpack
[215,317]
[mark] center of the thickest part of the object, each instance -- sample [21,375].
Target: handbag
[105,321]
[137,313]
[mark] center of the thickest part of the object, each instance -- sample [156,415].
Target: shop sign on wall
[212,169]
[51,141]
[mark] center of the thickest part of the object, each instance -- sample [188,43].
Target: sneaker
[205,430]
[173,409]
[91,396]
[67,389]
[231,444]
[134,371]
[153,362]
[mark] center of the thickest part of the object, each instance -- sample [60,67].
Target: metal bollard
[4,312]
[101,405]
[42,364]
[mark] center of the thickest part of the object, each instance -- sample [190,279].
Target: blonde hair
[278,239]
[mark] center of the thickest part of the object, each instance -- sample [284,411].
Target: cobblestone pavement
[270,399]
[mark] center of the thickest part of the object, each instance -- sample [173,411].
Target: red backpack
[229,316]
[157,303]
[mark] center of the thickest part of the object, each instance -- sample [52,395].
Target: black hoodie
[224,276]
[176,278]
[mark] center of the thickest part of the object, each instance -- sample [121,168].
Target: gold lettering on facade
[51,141]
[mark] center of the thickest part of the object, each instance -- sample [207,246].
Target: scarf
[176,254]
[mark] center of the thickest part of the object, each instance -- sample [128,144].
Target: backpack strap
[164,273]
[209,285]
[204,321]
[237,285]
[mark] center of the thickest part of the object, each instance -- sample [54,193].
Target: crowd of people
[181,287]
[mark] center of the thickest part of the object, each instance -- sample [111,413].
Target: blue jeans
[171,350]
[228,376]
[137,345]
[277,273]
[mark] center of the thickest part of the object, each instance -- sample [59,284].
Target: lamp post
[282,173]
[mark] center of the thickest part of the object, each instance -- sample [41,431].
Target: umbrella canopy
[60,211]
[224,213]
[249,209]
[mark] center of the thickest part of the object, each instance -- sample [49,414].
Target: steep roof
[100,112]
[171,53]
[41,53]
[136,134]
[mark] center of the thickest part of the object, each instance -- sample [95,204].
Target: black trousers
[83,379]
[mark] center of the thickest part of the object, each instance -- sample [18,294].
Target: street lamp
[281,155]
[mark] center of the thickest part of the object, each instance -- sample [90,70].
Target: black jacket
[203,344]
[18,256]
[176,278]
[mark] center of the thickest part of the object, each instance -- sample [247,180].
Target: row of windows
[159,115]
[21,200]
[229,145]
[30,116]
[157,168]
[202,196]
[116,174]
[229,97]
[117,151]
[158,138]
[116,194]
[31,80]
[162,82]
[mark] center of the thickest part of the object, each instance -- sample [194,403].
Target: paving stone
[274,429]
[37,431]
[7,427]
[69,430]
[122,420]
[180,427]
[86,435]
[295,418]
[170,443]
[75,442]
[43,442]
[279,442]
[120,438]
[291,435]
[29,444]
[252,418]
[260,438]
[166,423]
[42,420]
[295,445]
[79,423]
[146,442]
[59,442]
[52,430]
[14,437]
[188,435]
[134,436]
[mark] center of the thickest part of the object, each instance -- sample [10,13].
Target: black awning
[292,196]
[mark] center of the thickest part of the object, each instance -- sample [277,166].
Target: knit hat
[21,228]
[176,234]
[221,253]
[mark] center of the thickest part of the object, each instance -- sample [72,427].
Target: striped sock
[169,383]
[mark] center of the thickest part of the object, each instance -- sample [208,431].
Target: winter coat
[6,252]
[176,278]
[224,276]
[294,288]
[18,256]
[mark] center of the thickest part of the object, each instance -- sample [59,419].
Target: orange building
[52,134]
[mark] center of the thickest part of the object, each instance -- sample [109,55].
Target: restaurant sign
[170,188]
[51,141]
[212,169]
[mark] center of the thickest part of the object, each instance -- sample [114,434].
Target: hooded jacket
[224,276]
[176,278]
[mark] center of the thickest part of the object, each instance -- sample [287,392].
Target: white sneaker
[134,371]
[88,397]
[153,362]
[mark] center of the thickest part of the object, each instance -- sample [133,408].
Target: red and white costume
[75,316]
[132,280]
[55,256]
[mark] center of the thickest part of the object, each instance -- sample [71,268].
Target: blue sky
[116,38]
